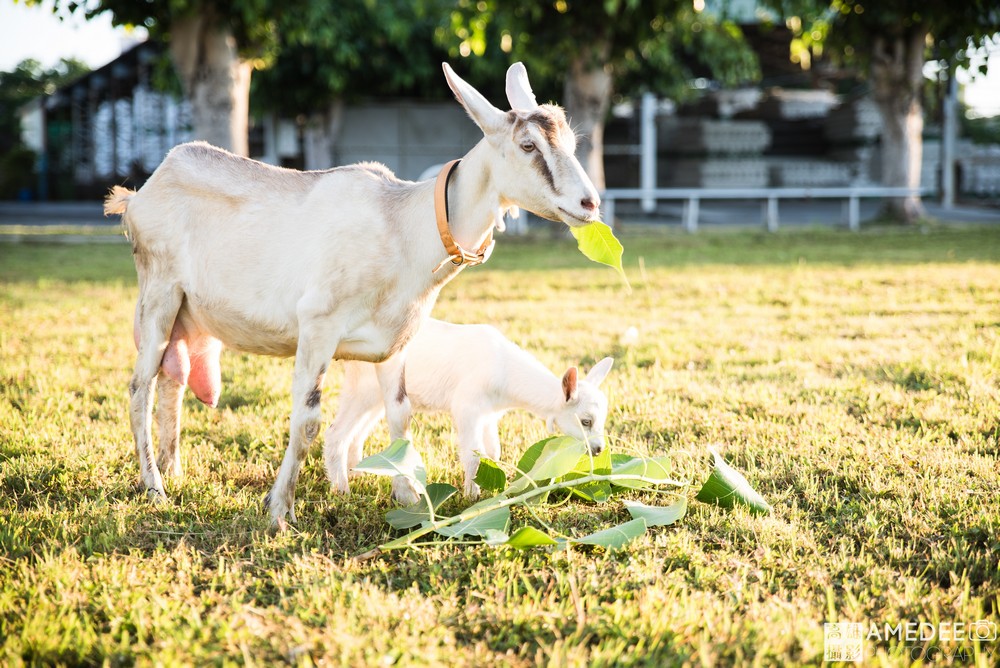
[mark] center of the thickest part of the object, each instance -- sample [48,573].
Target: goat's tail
[117,203]
[117,200]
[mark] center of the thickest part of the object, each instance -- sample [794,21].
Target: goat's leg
[315,350]
[360,407]
[491,438]
[364,429]
[397,415]
[344,445]
[168,414]
[469,424]
[156,311]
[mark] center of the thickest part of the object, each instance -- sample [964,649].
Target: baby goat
[340,264]
[477,375]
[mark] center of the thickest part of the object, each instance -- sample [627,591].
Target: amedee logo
[982,630]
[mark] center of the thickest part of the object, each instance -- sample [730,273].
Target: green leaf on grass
[558,457]
[598,491]
[657,468]
[496,520]
[413,515]
[658,516]
[599,464]
[496,537]
[408,517]
[530,456]
[440,492]
[727,487]
[526,537]
[489,476]
[598,243]
[616,537]
[400,458]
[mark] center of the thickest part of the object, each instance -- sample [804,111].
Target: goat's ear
[569,384]
[600,371]
[518,89]
[489,119]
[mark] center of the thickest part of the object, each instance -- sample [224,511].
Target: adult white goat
[320,265]
[477,375]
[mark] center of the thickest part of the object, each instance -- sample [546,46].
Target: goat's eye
[587,423]
[528,146]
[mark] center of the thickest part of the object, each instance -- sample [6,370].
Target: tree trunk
[897,81]
[588,98]
[215,80]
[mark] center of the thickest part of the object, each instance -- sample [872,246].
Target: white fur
[318,265]
[476,375]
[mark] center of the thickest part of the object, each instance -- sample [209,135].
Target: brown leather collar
[456,254]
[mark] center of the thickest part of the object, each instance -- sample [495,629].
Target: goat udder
[192,361]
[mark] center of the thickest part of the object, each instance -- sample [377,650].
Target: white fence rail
[692,198]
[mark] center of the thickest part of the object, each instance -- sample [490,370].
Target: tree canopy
[362,49]
[845,28]
[27,81]
[657,45]
[596,48]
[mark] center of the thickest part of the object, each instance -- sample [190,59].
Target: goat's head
[586,407]
[536,165]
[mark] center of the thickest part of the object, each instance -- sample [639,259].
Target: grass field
[854,379]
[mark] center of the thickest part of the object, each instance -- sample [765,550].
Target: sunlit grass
[854,379]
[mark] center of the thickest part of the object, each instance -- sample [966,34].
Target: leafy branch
[553,465]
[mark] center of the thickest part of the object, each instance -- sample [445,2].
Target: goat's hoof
[278,510]
[403,492]
[339,484]
[156,496]
[171,469]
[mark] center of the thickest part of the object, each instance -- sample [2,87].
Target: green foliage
[490,477]
[27,81]
[728,488]
[657,516]
[658,46]
[411,516]
[561,465]
[17,171]
[598,243]
[616,537]
[399,459]
[981,130]
[529,536]
[847,28]
[362,49]
[251,22]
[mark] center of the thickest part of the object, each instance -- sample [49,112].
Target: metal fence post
[647,157]
[691,215]
[771,214]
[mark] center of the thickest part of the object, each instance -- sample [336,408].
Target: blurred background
[683,94]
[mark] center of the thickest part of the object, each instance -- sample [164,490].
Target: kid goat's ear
[489,119]
[600,371]
[518,89]
[569,384]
